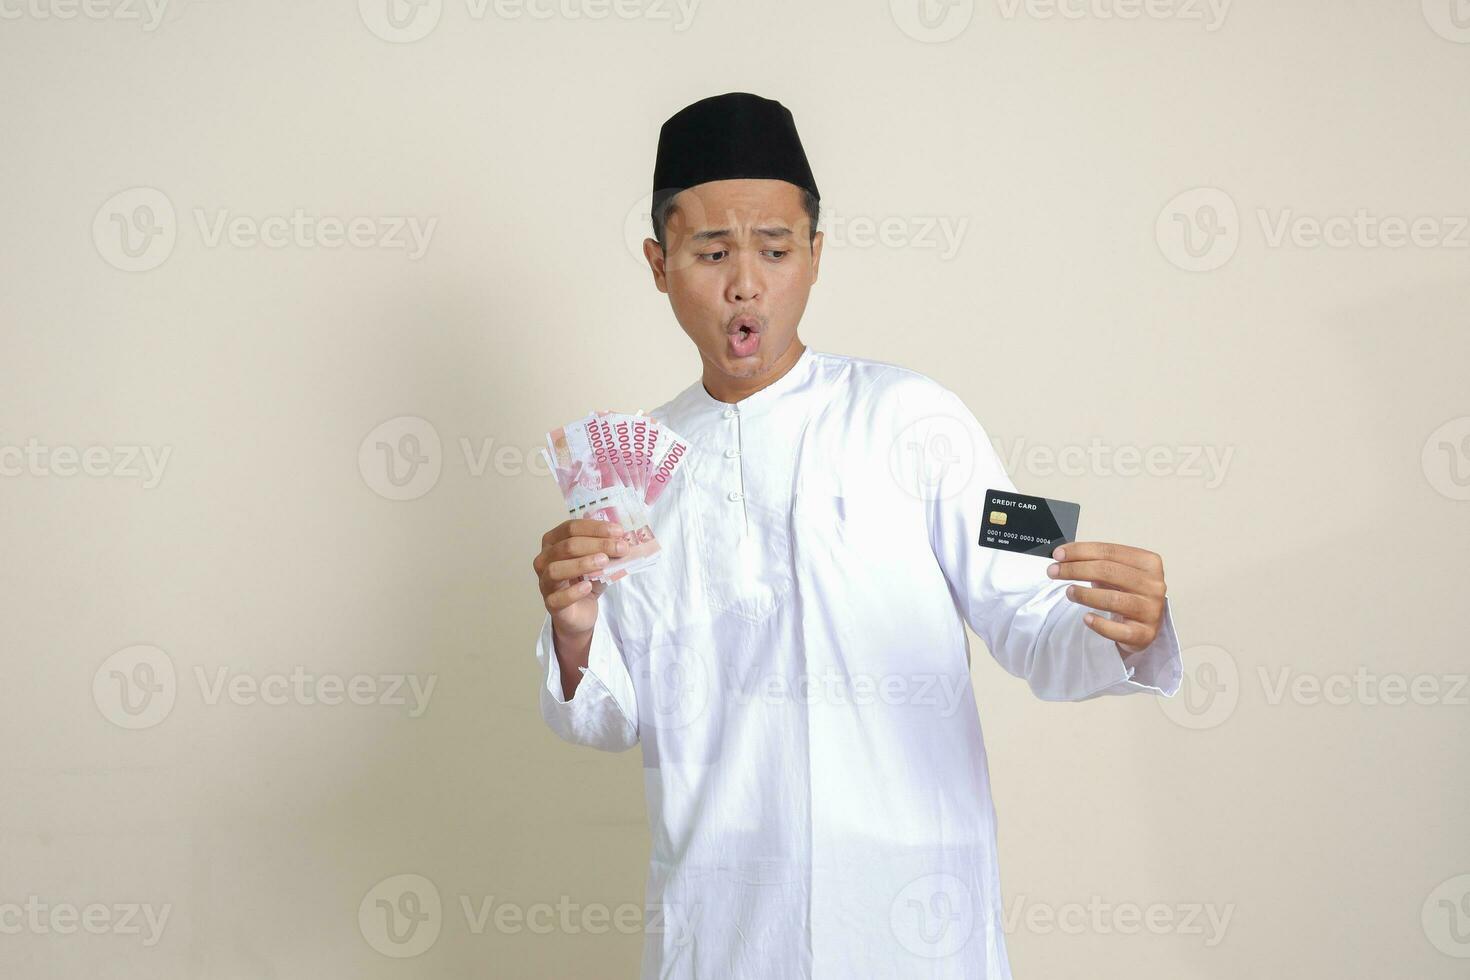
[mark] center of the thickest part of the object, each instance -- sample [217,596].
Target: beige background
[1329,382]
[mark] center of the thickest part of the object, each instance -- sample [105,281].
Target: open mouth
[744,336]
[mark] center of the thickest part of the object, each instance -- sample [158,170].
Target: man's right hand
[568,552]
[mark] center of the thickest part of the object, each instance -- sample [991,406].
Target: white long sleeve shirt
[796,671]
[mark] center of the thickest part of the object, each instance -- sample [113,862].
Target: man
[796,667]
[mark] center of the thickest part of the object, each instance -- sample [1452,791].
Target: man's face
[739,254]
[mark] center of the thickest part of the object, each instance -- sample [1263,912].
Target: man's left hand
[1130,586]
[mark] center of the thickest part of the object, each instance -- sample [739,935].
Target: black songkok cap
[725,137]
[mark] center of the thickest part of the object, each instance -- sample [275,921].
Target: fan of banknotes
[612,466]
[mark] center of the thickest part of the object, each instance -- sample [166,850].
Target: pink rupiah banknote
[612,466]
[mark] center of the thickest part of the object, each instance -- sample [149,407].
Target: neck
[727,389]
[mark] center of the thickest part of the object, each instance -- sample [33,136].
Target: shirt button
[730,413]
[735,495]
[731,453]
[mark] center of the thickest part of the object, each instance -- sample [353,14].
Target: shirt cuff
[603,710]
[1156,669]
[604,671]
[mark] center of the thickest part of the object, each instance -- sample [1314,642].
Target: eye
[778,254]
[711,255]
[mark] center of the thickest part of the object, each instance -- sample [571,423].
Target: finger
[1101,572]
[569,568]
[562,598]
[1123,554]
[579,546]
[582,527]
[1111,600]
[1129,634]
[549,585]
[1124,577]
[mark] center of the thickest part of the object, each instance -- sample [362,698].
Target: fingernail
[1071,592]
[1088,619]
[1059,554]
[621,547]
[599,559]
[584,586]
[1052,570]
[615,528]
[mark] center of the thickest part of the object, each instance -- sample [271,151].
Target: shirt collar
[761,400]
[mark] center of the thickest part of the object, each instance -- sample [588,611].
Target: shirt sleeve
[603,711]
[1024,617]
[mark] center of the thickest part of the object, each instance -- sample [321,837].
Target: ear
[816,255]
[654,254]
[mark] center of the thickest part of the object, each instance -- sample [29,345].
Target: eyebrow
[777,232]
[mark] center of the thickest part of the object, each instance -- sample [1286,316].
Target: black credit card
[1027,525]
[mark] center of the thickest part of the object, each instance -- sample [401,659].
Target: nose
[745,277]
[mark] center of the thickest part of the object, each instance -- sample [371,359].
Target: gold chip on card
[997,517]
